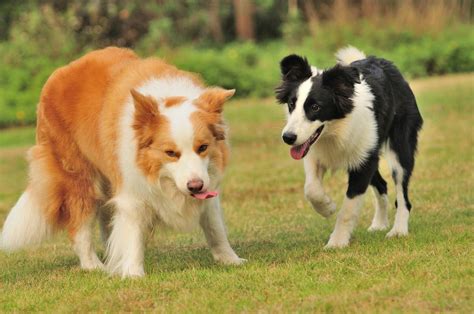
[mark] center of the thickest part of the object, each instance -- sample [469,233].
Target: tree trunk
[244,26]
[215,26]
[292,6]
[312,16]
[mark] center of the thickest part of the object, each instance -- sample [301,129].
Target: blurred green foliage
[36,37]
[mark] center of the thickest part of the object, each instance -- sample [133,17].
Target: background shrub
[421,37]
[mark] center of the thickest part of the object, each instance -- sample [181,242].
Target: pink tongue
[297,152]
[205,195]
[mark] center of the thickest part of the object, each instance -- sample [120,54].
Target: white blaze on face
[190,165]
[298,123]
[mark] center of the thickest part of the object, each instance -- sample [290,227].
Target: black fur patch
[295,68]
[340,80]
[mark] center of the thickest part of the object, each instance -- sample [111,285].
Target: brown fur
[174,101]
[74,165]
[206,125]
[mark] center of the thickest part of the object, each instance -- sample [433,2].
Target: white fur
[345,223]
[214,229]
[400,226]
[84,247]
[380,220]
[313,188]
[25,224]
[190,165]
[349,54]
[140,205]
[315,71]
[345,143]
[170,87]
[297,122]
[169,203]
[125,250]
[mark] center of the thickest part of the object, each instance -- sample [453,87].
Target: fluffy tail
[25,224]
[349,54]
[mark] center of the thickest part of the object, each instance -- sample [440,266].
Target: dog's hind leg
[80,203]
[347,218]
[379,187]
[314,190]
[105,222]
[83,246]
[402,167]
[402,144]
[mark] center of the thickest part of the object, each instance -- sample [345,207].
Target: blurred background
[238,44]
[231,43]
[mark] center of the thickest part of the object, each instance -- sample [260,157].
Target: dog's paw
[397,232]
[378,226]
[337,242]
[322,204]
[92,264]
[236,262]
[95,265]
[229,259]
[126,271]
[132,272]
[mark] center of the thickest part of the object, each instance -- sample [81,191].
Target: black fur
[295,68]
[396,113]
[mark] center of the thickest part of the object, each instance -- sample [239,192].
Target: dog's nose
[195,185]
[289,138]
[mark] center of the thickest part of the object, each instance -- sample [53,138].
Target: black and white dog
[345,117]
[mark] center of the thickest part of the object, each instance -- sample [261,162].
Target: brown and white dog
[135,142]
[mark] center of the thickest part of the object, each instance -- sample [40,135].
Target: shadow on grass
[305,246]
[280,249]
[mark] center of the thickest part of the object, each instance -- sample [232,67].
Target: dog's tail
[25,225]
[349,54]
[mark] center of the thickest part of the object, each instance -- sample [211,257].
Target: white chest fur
[174,209]
[347,142]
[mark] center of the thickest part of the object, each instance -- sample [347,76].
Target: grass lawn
[271,225]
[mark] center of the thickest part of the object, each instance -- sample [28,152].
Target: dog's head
[313,100]
[182,139]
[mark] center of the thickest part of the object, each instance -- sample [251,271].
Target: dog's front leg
[359,180]
[313,188]
[213,226]
[125,247]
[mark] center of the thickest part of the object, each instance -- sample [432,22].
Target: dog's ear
[146,118]
[295,68]
[341,80]
[146,108]
[218,130]
[212,99]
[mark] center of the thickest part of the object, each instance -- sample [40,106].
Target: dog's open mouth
[299,151]
[205,195]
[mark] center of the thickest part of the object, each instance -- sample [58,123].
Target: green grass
[270,223]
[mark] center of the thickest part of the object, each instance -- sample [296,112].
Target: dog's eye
[315,107]
[291,104]
[171,153]
[202,148]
